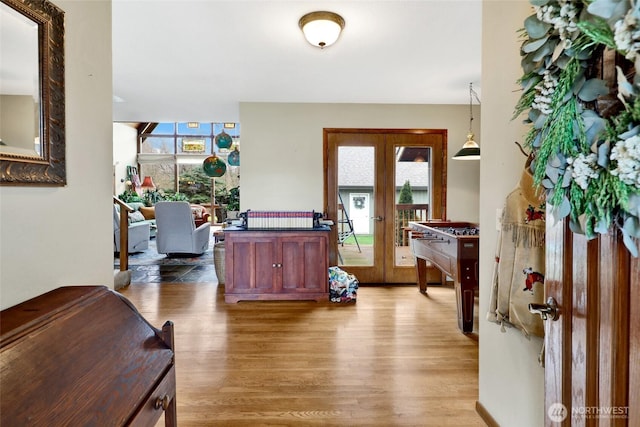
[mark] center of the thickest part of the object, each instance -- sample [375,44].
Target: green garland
[589,166]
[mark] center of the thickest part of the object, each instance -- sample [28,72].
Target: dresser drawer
[152,409]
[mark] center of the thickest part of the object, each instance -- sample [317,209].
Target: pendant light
[470,150]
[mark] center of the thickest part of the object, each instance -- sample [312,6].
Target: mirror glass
[19,84]
[32,94]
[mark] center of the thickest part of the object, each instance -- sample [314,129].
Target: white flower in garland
[563,18]
[627,34]
[584,168]
[544,92]
[627,155]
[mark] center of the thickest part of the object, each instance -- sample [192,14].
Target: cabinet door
[304,263]
[251,260]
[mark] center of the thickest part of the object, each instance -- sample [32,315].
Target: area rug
[152,257]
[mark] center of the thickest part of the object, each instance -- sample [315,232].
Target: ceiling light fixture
[321,28]
[470,150]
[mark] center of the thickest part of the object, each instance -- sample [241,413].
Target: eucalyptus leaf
[625,88]
[630,133]
[557,161]
[533,45]
[553,173]
[582,219]
[562,61]
[536,28]
[565,207]
[545,50]
[603,154]
[538,2]
[633,205]
[611,10]
[592,89]
[566,177]
[546,183]
[632,226]
[583,54]
[578,83]
[530,83]
[528,66]
[575,226]
[602,8]
[540,121]
[594,126]
[601,227]
[536,141]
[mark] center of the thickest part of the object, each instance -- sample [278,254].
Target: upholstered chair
[139,233]
[177,232]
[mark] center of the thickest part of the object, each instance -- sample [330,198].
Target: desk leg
[465,296]
[421,274]
[170,415]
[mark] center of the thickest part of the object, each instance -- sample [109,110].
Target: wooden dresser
[276,264]
[83,355]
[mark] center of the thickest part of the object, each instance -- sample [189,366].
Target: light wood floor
[394,358]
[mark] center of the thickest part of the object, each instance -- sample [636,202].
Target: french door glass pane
[356,178]
[413,177]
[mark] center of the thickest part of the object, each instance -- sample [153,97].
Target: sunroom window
[173,154]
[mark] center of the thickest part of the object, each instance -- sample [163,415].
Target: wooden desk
[83,355]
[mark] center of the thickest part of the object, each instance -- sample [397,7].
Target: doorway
[376,182]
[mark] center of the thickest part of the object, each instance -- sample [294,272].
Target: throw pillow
[149,212]
[197,211]
[135,217]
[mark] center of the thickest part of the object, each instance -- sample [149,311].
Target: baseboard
[485,415]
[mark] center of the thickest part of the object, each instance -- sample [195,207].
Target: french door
[376,181]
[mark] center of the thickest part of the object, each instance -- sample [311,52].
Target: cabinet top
[240,228]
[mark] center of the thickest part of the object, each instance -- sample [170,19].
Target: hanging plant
[587,162]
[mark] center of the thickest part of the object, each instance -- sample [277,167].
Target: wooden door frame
[438,192]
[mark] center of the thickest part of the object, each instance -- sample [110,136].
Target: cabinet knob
[162,402]
[274,265]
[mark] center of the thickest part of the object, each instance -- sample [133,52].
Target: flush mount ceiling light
[470,150]
[321,28]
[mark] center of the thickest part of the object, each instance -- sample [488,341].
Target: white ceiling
[196,60]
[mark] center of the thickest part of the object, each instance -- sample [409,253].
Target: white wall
[125,136]
[511,382]
[282,159]
[60,236]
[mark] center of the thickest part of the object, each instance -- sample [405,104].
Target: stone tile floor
[173,273]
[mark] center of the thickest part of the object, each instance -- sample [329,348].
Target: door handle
[378,218]
[546,311]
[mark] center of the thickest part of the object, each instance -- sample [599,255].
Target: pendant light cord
[472,93]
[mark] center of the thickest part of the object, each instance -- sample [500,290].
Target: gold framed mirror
[32,94]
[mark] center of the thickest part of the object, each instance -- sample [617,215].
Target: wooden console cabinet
[276,264]
[84,356]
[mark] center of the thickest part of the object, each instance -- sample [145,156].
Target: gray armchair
[177,233]
[139,233]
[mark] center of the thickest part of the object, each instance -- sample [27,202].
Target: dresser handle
[162,402]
